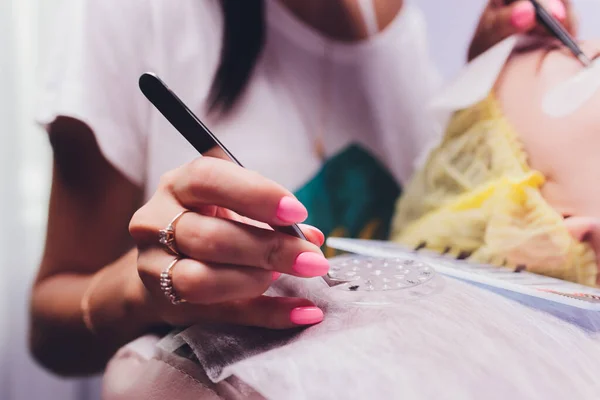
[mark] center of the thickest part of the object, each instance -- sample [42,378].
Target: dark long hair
[243,41]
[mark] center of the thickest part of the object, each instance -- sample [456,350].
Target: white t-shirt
[371,93]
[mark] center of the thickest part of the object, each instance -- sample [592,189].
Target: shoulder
[136,9]
[129,20]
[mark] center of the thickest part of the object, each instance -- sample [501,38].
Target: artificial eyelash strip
[465,254]
[578,296]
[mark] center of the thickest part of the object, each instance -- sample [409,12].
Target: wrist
[120,308]
[139,306]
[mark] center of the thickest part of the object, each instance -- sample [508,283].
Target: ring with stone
[166,236]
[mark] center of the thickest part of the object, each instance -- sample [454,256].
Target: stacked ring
[166,237]
[166,283]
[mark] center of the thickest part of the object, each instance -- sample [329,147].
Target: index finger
[211,181]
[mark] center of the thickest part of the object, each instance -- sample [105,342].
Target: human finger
[211,239]
[262,311]
[223,241]
[313,235]
[498,21]
[218,182]
[202,282]
[209,298]
[515,17]
[561,10]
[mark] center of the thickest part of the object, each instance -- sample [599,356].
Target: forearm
[60,339]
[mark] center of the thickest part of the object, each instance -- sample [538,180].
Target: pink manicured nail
[558,10]
[306,315]
[291,210]
[311,265]
[320,237]
[276,275]
[523,15]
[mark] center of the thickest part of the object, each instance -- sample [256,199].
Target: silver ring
[166,283]
[166,236]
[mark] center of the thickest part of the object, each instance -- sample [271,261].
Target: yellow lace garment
[476,197]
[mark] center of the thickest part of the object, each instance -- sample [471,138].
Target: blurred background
[25,165]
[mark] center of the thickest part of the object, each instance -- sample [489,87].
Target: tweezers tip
[584,60]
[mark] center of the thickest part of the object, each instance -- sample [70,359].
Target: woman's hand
[227,261]
[503,18]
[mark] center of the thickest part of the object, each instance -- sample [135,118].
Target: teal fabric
[353,195]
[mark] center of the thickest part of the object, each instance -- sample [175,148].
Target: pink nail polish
[558,10]
[306,315]
[311,265]
[276,275]
[523,15]
[320,236]
[291,210]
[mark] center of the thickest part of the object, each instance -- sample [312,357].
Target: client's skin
[563,149]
